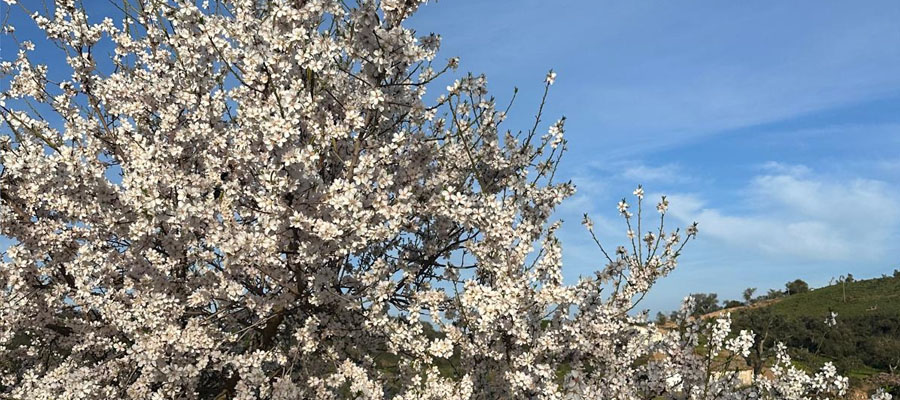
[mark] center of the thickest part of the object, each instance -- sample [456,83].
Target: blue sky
[776,125]
[773,124]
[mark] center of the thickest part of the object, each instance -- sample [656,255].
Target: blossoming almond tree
[290,212]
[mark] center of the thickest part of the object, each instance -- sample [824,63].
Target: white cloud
[799,215]
[888,166]
[588,189]
[776,167]
[634,173]
[669,173]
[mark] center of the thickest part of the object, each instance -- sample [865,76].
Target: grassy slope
[872,297]
[879,297]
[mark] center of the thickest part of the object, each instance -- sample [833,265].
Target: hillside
[872,297]
[864,344]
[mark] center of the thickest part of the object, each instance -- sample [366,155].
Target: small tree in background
[732,304]
[661,319]
[843,280]
[796,286]
[748,295]
[705,303]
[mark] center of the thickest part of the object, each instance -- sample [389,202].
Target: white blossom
[831,320]
[639,193]
[551,77]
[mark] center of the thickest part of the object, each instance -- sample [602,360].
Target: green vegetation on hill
[864,342]
[872,297]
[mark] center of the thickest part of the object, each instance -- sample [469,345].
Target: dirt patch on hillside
[758,304]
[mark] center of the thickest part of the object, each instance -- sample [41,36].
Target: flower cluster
[253,199]
[831,320]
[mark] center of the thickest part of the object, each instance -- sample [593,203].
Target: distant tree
[661,319]
[897,273]
[748,295]
[843,281]
[772,294]
[732,304]
[797,286]
[769,328]
[705,303]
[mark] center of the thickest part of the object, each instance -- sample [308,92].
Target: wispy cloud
[638,172]
[792,212]
[668,173]
[776,167]
[603,182]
